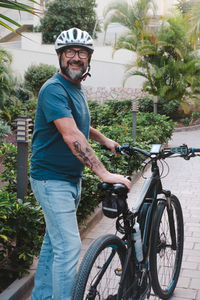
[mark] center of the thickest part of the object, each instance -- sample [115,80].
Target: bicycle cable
[162,162]
[163,169]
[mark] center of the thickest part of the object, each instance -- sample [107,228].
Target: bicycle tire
[165,263]
[96,258]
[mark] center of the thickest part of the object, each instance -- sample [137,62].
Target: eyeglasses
[70,53]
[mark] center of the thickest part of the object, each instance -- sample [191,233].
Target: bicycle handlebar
[182,150]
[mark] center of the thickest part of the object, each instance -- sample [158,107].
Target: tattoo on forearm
[86,160]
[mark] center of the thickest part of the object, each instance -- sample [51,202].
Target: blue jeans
[61,247]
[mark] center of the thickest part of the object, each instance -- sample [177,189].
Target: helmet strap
[86,74]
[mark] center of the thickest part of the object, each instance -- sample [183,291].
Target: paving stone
[185,293]
[191,274]
[194,284]
[189,265]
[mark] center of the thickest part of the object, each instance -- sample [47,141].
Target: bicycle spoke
[167,256]
[109,283]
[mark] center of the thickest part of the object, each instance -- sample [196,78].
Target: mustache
[75,62]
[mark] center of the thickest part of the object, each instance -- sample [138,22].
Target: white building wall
[106,71]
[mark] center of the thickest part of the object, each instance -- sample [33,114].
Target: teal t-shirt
[51,157]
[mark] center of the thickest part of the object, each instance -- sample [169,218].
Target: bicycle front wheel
[100,271]
[166,248]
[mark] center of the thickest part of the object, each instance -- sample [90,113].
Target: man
[60,151]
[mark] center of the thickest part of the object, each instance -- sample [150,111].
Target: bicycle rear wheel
[165,258]
[100,271]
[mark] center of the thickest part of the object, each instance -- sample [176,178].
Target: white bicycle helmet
[74,37]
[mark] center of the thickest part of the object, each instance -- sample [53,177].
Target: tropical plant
[171,70]
[61,15]
[6,77]
[194,23]
[4,130]
[135,17]
[36,75]
[7,85]
[17,101]
[184,5]
[164,55]
[16,5]
[170,109]
[21,223]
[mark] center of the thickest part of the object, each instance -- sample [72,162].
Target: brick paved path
[183,180]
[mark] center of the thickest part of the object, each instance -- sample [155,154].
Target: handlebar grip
[103,147]
[195,150]
[117,148]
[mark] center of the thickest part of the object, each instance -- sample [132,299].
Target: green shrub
[146,104]
[195,116]
[170,109]
[37,75]
[111,112]
[21,229]
[21,224]
[19,101]
[186,121]
[9,174]
[95,112]
[4,130]
[89,195]
[154,128]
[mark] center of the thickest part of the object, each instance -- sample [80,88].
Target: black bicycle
[147,254]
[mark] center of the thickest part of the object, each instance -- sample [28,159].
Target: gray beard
[74,75]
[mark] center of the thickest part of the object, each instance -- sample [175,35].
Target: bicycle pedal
[118,271]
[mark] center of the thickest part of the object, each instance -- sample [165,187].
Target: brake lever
[125,154]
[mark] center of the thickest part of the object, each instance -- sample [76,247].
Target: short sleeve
[55,102]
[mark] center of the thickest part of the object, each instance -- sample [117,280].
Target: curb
[20,288]
[188,128]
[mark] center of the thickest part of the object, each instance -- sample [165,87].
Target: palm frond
[194,21]
[119,12]
[16,5]
[20,7]
[8,20]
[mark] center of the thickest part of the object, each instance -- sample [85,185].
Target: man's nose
[76,56]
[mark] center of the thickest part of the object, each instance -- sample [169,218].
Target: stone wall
[101,94]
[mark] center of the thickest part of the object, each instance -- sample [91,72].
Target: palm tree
[5,74]
[15,5]
[134,17]
[164,56]
[194,22]
[184,6]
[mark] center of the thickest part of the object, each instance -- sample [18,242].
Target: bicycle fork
[170,211]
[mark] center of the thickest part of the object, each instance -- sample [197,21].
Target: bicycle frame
[151,212]
[152,187]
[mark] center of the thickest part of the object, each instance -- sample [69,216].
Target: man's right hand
[115,178]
